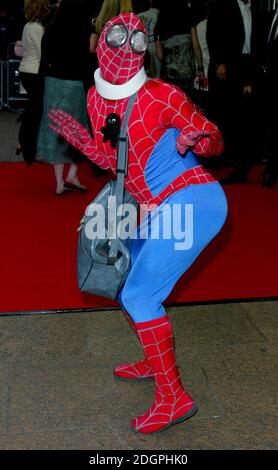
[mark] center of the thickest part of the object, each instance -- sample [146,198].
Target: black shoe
[80,187]
[18,150]
[269,180]
[235,178]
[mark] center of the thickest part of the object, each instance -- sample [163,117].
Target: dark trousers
[271,151]
[235,115]
[31,116]
[269,130]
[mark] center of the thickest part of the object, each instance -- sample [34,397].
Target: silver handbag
[104,249]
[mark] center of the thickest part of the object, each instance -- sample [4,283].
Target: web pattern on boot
[172,402]
[135,370]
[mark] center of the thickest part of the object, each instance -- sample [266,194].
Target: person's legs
[172,403]
[139,370]
[157,266]
[59,175]
[31,116]
[246,143]
[219,106]
[181,228]
[270,173]
[72,179]
[243,132]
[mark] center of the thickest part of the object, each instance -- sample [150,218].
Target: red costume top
[158,107]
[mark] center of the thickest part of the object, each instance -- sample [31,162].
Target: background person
[174,47]
[270,98]
[199,12]
[232,37]
[35,12]
[64,66]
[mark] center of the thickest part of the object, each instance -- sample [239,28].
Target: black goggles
[118,34]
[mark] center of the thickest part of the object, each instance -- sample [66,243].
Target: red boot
[135,370]
[172,404]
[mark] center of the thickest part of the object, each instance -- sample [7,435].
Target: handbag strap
[122,170]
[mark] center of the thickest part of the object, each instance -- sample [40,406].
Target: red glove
[188,141]
[72,131]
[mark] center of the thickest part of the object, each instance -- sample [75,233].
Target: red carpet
[38,244]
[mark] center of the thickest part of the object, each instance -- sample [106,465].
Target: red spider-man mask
[121,48]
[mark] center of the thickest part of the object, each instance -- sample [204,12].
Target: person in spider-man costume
[166,133]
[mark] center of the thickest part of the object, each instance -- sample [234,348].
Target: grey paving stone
[224,434]
[38,336]
[264,316]
[47,397]
[109,337]
[4,398]
[244,377]
[213,434]
[87,438]
[12,441]
[197,385]
[198,326]
[179,437]
[250,430]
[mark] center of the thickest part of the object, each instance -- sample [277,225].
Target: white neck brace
[116,92]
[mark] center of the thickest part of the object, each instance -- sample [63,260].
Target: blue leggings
[198,212]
